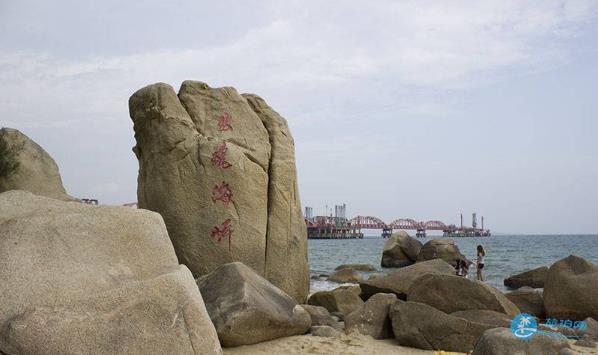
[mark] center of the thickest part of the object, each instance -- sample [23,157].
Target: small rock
[324,331]
[338,316]
[346,276]
[533,278]
[321,316]
[357,267]
[342,299]
[372,317]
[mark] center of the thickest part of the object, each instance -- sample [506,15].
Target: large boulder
[532,278]
[247,309]
[421,326]
[528,301]
[80,279]
[400,250]
[450,293]
[345,276]
[372,317]
[442,248]
[343,300]
[502,341]
[219,167]
[36,171]
[570,289]
[286,235]
[399,281]
[485,316]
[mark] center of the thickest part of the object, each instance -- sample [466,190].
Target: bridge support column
[421,233]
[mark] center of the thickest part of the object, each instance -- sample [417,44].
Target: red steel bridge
[370,222]
[324,227]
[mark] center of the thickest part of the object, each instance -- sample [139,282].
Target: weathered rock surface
[442,248]
[247,309]
[570,289]
[342,299]
[400,250]
[501,341]
[108,275]
[372,317]
[528,301]
[219,167]
[399,281]
[357,267]
[320,316]
[450,294]
[485,316]
[424,327]
[324,331]
[286,236]
[346,276]
[592,328]
[532,278]
[37,172]
[586,341]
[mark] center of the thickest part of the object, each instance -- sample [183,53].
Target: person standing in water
[480,262]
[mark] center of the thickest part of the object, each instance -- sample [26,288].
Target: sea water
[506,255]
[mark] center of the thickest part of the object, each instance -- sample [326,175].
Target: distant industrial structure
[337,226]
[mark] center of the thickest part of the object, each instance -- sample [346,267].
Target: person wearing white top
[480,262]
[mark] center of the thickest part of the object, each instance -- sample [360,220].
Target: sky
[411,109]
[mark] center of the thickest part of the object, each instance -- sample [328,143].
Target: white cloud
[331,67]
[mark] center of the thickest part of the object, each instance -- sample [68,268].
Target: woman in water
[480,262]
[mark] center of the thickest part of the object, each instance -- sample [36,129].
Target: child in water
[461,268]
[480,262]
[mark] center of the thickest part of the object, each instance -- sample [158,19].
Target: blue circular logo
[524,325]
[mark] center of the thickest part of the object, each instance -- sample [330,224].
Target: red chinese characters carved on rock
[224,122]
[222,192]
[224,231]
[219,157]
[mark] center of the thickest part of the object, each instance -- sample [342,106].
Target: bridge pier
[421,233]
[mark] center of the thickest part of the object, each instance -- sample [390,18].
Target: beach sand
[352,344]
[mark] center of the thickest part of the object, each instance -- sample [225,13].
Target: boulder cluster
[402,250]
[424,305]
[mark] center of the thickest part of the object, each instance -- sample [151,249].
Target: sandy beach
[351,344]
